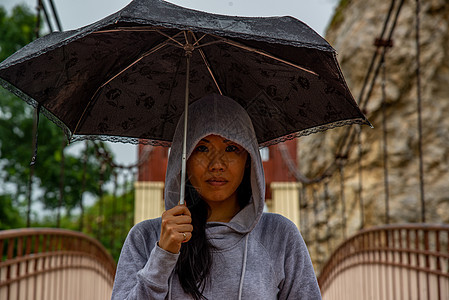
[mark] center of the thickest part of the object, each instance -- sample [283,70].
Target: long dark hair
[195,259]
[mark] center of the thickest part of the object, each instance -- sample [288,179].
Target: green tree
[112,226]
[9,215]
[111,215]
[54,172]
[16,30]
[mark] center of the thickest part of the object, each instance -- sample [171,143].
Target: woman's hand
[176,228]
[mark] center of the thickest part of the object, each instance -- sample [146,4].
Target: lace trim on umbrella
[132,140]
[309,131]
[120,139]
[34,103]
[281,139]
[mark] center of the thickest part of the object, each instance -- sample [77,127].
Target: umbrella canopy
[124,77]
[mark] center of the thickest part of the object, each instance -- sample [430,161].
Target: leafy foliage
[16,30]
[57,169]
[112,225]
[9,215]
[54,171]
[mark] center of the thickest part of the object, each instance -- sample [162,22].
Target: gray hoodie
[257,255]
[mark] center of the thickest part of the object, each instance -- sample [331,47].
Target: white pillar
[149,200]
[286,200]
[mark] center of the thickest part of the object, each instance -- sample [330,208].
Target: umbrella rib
[151,51]
[248,48]
[203,56]
[208,44]
[156,48]
[198,40]
[206,62]
[171,38]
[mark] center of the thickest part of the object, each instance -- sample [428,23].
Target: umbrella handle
[184,143]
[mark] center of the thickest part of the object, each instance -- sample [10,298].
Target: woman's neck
[222,211]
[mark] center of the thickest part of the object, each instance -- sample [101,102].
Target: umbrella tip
[369,123]
[33,160]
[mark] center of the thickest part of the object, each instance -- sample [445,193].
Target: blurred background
[360,196]
[50,202]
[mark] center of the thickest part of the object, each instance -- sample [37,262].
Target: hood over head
[218,115]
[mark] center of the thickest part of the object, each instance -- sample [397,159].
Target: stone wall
[325,220]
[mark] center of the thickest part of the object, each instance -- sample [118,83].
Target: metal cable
[316,224]
[305,215]
[360,171]
[47,18]
[328,214]
[343,200]
[61,183]
[419,110]
[377,70]
[132,174]
[83,185]
[114,211]
[376,53]
[100,219]
[300,177]
[40,7]
[38,19]
[385,144]
[363,102]
[123,209]
[55,15]
[346,144]
[363,99]
[34,133]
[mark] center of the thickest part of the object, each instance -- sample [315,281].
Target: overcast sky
[77,13]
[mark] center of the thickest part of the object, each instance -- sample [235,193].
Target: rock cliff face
[331,209]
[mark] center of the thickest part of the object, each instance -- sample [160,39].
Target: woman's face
[216,167]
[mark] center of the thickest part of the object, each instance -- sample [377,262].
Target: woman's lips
[217,181]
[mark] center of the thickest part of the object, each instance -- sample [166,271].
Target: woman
[221,245]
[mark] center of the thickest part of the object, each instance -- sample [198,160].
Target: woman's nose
[217,163]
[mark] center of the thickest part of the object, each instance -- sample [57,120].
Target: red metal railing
[390,262]
[41,263]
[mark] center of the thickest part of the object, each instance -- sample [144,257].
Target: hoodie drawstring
[169,286]
[245,254]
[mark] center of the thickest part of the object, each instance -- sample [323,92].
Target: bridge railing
[390,262]
[47,264]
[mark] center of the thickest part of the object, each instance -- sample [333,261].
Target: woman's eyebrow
[204,140]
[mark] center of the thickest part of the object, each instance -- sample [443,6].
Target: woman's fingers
[176,220]
[178,210]
[186,236]
[176,228]
[182,219]
[173,231]
[184,228]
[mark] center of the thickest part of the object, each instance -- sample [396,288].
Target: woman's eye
[201,148]
[231,148]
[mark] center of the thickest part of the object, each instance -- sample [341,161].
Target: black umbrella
[129,76]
